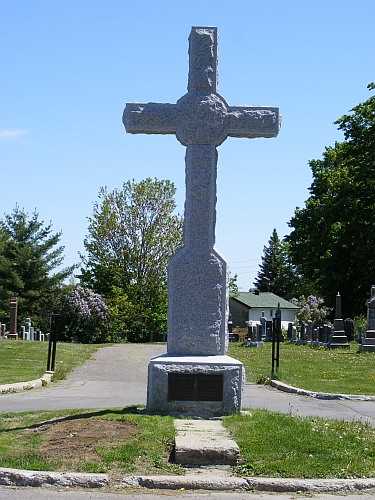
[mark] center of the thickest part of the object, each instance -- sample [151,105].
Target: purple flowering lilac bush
[311,309]
[84,314]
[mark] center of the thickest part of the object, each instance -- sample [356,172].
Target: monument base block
[338,339]
[206,386]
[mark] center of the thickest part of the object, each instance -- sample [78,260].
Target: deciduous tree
[333,237]
[133,233]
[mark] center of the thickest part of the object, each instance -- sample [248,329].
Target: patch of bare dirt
[74,440]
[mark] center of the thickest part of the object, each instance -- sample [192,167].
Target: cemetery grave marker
[197,273]
[338,337]
[368,342]
[13,319]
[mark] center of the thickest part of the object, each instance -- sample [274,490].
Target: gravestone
[196,376]
[368,342]
[338,337]
[26,334]
[263,321]
[327,332]
[302,332]
[315,336]
[359,333]
[349,329]
[13,318]
[289,335]
[294,333]
[309,331]
[269,330]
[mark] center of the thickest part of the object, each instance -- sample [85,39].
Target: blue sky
[68,67]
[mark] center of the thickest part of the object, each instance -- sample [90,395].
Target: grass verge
[344,371]
[278,445]
[112,441]
[22,361]
[122,441]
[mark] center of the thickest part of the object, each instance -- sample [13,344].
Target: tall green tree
[132,235]
[333,237]
[29,254]
[276,274]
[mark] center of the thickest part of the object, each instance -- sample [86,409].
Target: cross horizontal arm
[150,118]
[253,121]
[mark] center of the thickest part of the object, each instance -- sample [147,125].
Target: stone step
[204,442]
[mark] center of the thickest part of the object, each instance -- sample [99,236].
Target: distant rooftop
[264,300]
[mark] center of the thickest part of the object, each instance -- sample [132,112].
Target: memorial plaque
[195,387]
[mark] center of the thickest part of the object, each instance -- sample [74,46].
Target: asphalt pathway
[116,376]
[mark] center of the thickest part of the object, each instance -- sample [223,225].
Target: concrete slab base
[205,386]
[204,442]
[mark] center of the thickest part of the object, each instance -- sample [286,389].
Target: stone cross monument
[196,376]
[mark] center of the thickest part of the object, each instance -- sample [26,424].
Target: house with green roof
[249,306]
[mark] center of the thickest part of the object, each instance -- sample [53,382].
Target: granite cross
[201,121]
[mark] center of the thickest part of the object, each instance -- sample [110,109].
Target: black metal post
[273,351]
[53,334]
[276,333]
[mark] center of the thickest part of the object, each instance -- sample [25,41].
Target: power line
[240,261]
[244,267]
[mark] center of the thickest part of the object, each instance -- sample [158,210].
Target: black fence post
[276,333]
[53,334]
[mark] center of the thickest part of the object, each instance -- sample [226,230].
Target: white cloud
[15,132]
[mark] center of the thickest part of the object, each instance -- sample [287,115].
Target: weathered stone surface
[157,390]
[193,482]
[14,477]
[25,386]
[209,482]
[309,485]
[198,274]
[204,442]
[188,119]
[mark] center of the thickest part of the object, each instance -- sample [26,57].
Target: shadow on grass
[79,416]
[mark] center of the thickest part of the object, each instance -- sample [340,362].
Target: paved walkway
[116,376]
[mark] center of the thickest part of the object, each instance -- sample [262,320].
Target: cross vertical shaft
[200,203]
[203,56]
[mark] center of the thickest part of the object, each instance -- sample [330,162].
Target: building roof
[265,300]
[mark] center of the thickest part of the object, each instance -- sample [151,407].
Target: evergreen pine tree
[276,274]
[28,256]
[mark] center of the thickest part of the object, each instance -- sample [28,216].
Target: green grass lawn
[21,361]
[121,441]
[344,371]
[278,445]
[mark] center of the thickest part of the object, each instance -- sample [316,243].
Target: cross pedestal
[196,376]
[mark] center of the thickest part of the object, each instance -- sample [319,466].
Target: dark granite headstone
[349,329]
[13,318]
[338,337]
